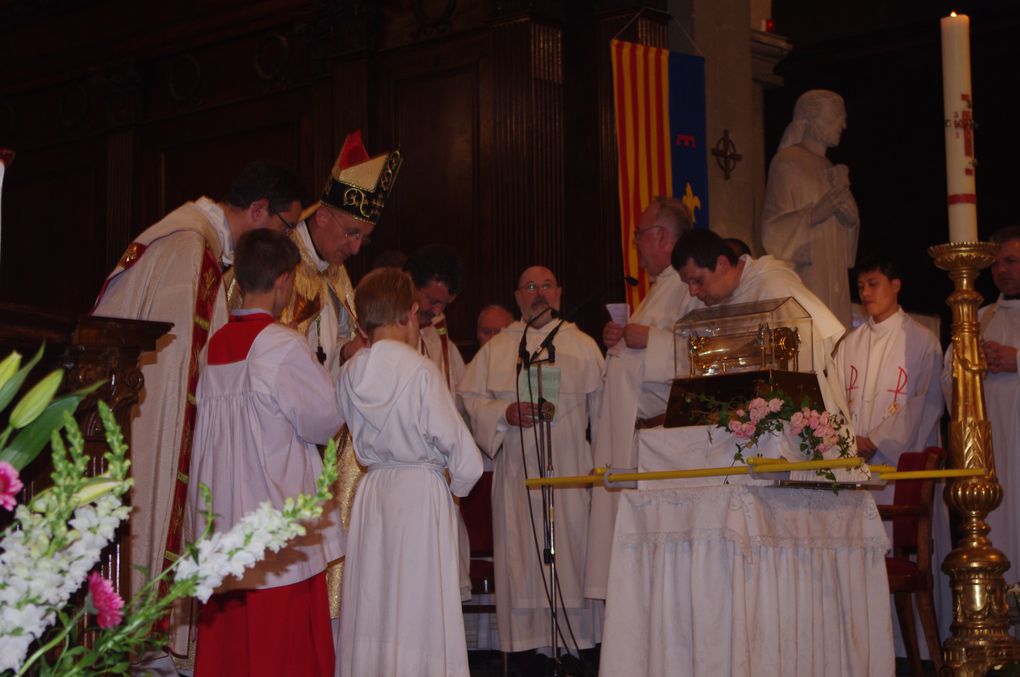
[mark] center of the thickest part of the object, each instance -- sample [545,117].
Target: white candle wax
[960,160]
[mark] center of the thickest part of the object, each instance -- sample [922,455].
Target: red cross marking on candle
[967,122]
[853,385]
[901,383]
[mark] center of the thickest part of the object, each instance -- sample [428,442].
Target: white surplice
[162,286]
[821,253]
[636,385]
[450,362]
[401,587]
[890,374]
[451,365]
[488,386]
[258,423]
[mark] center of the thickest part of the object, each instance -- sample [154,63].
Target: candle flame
[952,14]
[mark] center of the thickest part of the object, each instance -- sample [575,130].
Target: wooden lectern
[89,349]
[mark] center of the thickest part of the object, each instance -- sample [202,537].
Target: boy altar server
[401,591]
[889,368]
[264,402]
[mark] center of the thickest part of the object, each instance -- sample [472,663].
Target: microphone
[547,343]
[523,358]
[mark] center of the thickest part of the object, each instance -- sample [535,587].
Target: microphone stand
[546,468]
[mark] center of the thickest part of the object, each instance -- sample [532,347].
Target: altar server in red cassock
[172,273]
[264,402]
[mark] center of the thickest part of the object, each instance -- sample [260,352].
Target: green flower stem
[59,638]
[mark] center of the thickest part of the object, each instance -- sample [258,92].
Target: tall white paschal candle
[960,160]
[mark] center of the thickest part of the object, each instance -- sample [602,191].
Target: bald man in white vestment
[505,430]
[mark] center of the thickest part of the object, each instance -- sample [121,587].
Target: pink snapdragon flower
[108,604]
[10,485]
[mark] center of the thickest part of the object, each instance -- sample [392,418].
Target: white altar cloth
[740,580]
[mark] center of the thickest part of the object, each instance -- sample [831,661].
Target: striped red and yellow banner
[660,130]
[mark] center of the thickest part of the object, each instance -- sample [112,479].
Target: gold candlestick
[980,638]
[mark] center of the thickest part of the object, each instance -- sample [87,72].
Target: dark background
[119,111]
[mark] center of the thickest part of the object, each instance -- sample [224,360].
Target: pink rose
[759,409]
[797,423]
[747,431]
[10,485]
[775,404]
[735,426]
[740,413]
[108,604]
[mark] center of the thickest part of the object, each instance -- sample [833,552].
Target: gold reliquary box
[739,352]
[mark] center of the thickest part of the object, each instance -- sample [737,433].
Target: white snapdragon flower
[231,552]
[37,583]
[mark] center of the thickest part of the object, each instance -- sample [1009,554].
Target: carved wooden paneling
[53,250]
[121,151]
[528,176]
[429,104]
[200,154]
[89,349]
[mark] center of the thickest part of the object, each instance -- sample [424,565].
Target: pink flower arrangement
[10,485]
[818,431]
[107,603]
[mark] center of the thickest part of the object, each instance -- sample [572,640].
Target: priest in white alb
[715,275]
[889,369]
[497,393]
[639,370]
[172,273]
[438,274]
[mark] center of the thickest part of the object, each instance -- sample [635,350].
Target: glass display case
[738,352]
[743,337]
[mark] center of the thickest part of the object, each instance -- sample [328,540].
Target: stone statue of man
[810,217]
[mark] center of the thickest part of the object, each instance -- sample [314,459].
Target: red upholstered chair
[476,509]
[910,566]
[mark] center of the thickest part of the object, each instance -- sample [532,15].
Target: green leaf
[24,448]
[36,399]
[9,389]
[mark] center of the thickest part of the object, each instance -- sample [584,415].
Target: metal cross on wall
[726,155]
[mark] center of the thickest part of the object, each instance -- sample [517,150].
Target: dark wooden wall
[119,111]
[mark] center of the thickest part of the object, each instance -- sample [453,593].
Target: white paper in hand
[619,313]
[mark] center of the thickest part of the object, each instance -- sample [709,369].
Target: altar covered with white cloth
[730,578]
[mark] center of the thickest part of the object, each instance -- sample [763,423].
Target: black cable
[539,550]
